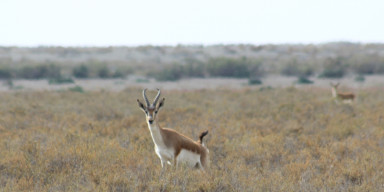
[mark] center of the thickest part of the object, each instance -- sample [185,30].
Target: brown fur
[180,141]
[346,96]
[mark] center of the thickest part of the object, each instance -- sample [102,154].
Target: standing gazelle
[344,97]
[171,145]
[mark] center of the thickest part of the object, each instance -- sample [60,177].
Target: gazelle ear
[141,105]
[161,104]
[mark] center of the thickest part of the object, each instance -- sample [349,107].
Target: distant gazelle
[344,97]
[171,145]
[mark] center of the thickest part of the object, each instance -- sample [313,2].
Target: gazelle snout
[150,116]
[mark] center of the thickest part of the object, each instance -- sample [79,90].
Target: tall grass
[269,140]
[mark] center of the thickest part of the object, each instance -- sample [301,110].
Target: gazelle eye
[156,112]
[146,112]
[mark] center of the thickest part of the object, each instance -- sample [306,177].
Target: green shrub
[228,67]
[291,69]
[368,68]
[103,72]
[294,68]
[81,71]
[360,78]
[193,69]
[29,72]
[334,68]
[5,73]
[53,71]
[304,80]
[216,67]
[39,72]
[169,73]
[333,73]
[118,74]
[61,80]
[256,70]
[253,81]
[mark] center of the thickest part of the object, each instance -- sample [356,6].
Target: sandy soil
[187,84]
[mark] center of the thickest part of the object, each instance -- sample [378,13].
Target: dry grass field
[282,139]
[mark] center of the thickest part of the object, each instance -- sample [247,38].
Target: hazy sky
[171,22]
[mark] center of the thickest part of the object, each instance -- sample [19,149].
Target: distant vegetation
[331,60]
[81,71]
[60,80]
[304,80]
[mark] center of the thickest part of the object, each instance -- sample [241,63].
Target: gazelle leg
[163,163]
[175,162]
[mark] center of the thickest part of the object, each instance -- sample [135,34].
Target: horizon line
[191,44]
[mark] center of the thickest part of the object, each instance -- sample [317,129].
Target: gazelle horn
[156,98]
[145,97]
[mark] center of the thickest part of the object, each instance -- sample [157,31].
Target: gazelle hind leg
[175,162]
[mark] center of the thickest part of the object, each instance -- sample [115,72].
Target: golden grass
[270,140]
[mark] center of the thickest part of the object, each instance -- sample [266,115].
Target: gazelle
[344,97]
[171,145]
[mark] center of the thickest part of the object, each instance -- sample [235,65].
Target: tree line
[332,60]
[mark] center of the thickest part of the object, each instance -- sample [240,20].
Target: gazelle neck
[152,125]
[155,133]
[334,92]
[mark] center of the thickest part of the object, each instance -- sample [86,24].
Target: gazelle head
[334,85]
[149,109]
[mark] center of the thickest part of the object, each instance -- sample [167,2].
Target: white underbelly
[189,158]
[164,153]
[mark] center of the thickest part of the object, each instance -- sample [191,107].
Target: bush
[366,64]
[228,67]
[5,73]
[369,68]
[118,74]
[39,72]
[61,80]
[193,69]
[216,67]
[53,71]
[81,71]
[333,69]
[304,80]
[256,70]
[291,69]
[252,81]
[168,73]
[29,72]
[103,72]
[332,73]
[295,69]
[360,78]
